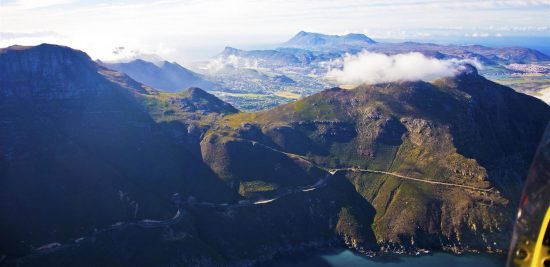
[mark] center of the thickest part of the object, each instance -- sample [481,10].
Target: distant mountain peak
[123,54]
[15,47]
[468,69]
[195,91]
[51,50]
[196,99]
[165,75]
[304,33]
[358,36]
[228,50]
[40,46]
[57,71]
[312,40]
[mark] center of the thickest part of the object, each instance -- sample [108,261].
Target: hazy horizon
[186,31]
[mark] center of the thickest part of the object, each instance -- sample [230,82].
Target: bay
[348,258]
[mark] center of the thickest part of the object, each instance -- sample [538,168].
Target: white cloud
[19,35]
[220,62]
[96,26]
[122,54]
[31,4]
[367,67]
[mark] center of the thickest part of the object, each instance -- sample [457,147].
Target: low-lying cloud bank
[367,67]
[219,63]
[122,54]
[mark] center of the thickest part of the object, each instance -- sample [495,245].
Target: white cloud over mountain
[367,67]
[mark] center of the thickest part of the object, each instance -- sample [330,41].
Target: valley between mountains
[97,169]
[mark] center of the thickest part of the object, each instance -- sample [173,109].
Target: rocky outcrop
[456,130]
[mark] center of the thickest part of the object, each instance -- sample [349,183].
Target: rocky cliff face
[80,150]
[464,131]
[397,166]
[68,72]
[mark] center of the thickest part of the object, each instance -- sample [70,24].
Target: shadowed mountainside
[170,77]
[462,130]
[84,147]
[81,151]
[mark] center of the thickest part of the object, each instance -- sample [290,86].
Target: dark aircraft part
[530,245]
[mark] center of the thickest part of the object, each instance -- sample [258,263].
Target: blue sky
[190,30]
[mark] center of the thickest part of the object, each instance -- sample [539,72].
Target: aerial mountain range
[250,79]
[307,48]
[98,169]
[80,150]
[166,76]
[307,58]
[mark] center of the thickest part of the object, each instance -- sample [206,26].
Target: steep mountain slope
[310,66]
[441,163]
[170,77]
[88,152]
[80,151]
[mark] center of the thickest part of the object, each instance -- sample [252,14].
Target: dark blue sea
[347,258]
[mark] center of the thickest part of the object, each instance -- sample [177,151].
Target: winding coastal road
[351,169]
[334,171]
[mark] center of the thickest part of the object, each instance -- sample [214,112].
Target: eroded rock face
[424,131]
[57,72]
[334,131]
[420,130]
[374,129]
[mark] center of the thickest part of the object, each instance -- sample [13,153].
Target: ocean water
[540,43]
[347,258]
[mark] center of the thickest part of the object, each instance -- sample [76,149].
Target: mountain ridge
[80,136]
[456,130]
[166,76]
[253,185]
[315,41]
[325,51]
